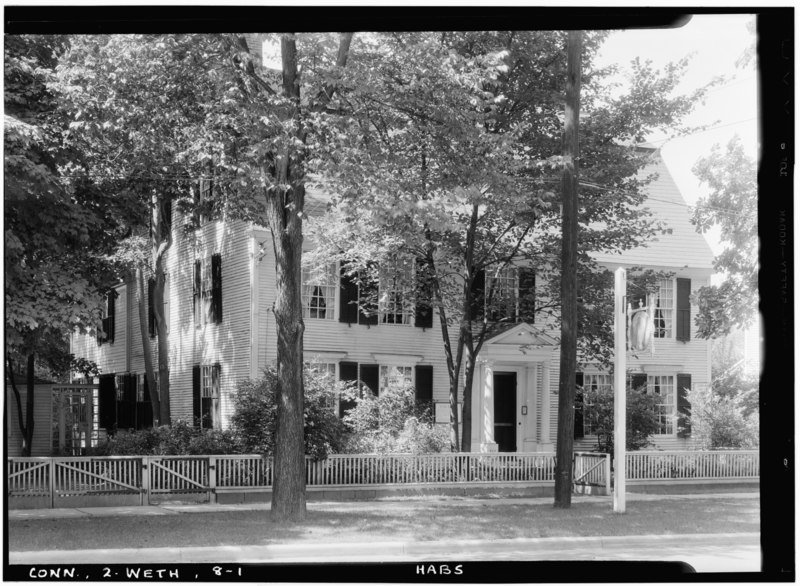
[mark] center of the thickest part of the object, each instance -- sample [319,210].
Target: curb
[156,510]
[369,551]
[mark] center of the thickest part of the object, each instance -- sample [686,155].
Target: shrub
[393,423]
[640,418]
[722,421]
[179,439]
[255,414]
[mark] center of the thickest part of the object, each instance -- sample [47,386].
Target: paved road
[705,553]
[738,552]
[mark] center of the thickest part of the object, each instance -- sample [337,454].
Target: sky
[714,43]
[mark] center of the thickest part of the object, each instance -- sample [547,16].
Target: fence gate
[591,473]
[179,476]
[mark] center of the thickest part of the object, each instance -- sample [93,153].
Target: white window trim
[407,293]
[673,415]
[673,308]
[334,310]
[486,280]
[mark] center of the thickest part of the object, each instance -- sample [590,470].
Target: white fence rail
[145,479]
[694,465]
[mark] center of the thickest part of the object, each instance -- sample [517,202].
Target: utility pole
[569,276]
[620,355]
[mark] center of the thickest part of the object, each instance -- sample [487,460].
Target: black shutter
[216,288]
[107,402]
[151,315]
[639,382]
[348,372]
[527,294]
[196,412]
[424,385]
[198,285]
[477,292]
[368,301]
[684,384]
[578,432]
[348,298]
[369,377]
[423,312]
[683,332]
[111,316]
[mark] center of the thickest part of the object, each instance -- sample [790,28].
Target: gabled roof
[684,246]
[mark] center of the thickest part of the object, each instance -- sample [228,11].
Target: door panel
[505,411]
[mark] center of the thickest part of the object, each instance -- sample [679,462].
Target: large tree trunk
[26,452]
[146,348]
[284,217]
[569,277]
[161,240]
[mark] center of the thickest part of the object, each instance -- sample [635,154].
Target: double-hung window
[319,291]
[664,305]
[394,376]
[208,290]
[209,396]
[502,293]
[663,387]
[396,299]
[602,383]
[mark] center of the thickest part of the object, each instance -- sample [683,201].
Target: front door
[505,411]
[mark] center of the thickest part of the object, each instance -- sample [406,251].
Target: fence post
[145,475]
[608,473]
[212,480]
[52,483]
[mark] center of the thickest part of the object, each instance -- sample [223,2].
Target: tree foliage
[640,417]
[733,206]
[392,423]
[451,154]
[255,414]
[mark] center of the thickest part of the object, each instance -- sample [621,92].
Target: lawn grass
[418,521]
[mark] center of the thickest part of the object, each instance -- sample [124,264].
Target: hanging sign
[640,327]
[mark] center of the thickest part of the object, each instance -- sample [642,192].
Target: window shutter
[197,287]
[107,399]
[196,403]
[639,381]
[423,312]
[348,298]
[369,301]
[424,385]
[151,316]
[527,294]
[112,314]
[683,331]
[216,288]
[477,292]
[348,372]
[369,377]
[578,433]
[684,384]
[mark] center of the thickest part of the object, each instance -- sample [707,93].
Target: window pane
[603,383]
[663,310]
[395,302]
[319,291]
[663,387]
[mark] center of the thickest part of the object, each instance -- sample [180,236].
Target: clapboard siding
[42,416]
[110,357]
[227,342]
[684,246]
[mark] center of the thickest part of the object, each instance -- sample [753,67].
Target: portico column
[544,436]
[488,445]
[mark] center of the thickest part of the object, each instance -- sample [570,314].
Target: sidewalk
[387,504]
[738,552]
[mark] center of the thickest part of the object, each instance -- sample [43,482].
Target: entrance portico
[511,399]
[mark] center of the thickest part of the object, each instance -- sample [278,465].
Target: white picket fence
[146,479]
[689,465]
